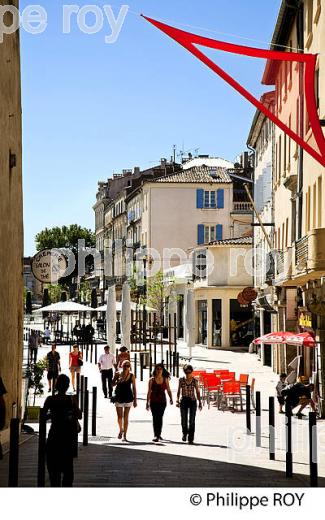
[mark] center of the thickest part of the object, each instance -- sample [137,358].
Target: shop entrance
[241,324]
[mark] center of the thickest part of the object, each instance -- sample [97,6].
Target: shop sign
[49,265]
[305,320]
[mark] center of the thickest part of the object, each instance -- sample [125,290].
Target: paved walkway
[224,455]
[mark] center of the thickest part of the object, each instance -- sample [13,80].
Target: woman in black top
[188,390]
[62,441]
[125,397]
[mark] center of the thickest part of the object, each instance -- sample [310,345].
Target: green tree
[55,292]
[160,294]
[66,237]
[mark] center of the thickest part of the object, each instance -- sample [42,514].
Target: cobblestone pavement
[223,454]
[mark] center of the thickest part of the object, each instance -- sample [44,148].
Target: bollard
[86,412]
[167,360]
[78,388]
[177,364]
[135,365]
[91,353]
[41,449]
[248,409]
[271,429]
[141,367]
[258,420]
[288,415]
[150,363]
[313,450]
[96,353]
[94,411]
[82,388]
[87,352]
[14,453]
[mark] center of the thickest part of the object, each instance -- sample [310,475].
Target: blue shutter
[199,198]
[219,232]
[200,234]
[220,198]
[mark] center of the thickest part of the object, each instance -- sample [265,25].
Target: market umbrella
[305,339]
[273,337]
[126,315]
[111,317]
[190,320]
[68,306]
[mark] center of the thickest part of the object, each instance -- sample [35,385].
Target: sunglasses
[126,366]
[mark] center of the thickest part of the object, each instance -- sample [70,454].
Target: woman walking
[188,388]
[124,355]
[62,442]
[156,398]
[125,397]
[75,362]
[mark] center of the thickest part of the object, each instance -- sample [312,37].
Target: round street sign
[49,265]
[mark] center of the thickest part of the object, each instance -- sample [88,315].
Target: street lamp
[145,259]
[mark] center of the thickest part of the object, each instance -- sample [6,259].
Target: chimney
[163,161]
[136,170]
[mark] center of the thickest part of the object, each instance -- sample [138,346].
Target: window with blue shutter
[220,198]
[200,234]
[219,232]
[199,198]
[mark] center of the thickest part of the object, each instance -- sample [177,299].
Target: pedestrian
[62,441]
[53,367]
[47,335]
[3,391]
[125,397]
[122,356]
[298,393]
[188,389]
[33,346]
[89,331]
[281,384]
[156,398]
[106,364]
[75,364]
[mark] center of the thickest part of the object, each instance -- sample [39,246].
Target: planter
[33,413]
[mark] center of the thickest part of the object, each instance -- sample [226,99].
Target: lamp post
[144,302]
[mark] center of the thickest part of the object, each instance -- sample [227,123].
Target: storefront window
[216,323]
[241,324]
[203,321]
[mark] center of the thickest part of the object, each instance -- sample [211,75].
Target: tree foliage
[160,294]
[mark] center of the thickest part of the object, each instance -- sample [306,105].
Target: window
[309,17]
[287,231]
[314,204]
[319,202]
[308,210]
[284,153]
[209,199]
[209,234]
[279,158]
[289,144]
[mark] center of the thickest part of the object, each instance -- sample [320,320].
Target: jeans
[157,410]
[188,411]
[33,354]
[107,375]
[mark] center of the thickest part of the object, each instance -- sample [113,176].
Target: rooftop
[199,174]
[232,241]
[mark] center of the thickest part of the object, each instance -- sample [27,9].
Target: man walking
[47,335]
[33,346]
[53,367]
[106,364]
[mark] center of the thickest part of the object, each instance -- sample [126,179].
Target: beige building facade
[11,228]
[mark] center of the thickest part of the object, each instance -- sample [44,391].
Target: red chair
[212,386]
[231,392]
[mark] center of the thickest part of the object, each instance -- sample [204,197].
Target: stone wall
[11,223]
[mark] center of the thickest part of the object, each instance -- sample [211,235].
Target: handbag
[80,362]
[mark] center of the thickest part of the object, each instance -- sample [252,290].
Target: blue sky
[91,109]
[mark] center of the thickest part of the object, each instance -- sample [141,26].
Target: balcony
[310,256]
[242,207]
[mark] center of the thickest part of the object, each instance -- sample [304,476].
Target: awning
[305,339]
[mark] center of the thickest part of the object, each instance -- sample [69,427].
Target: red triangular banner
[190,40]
